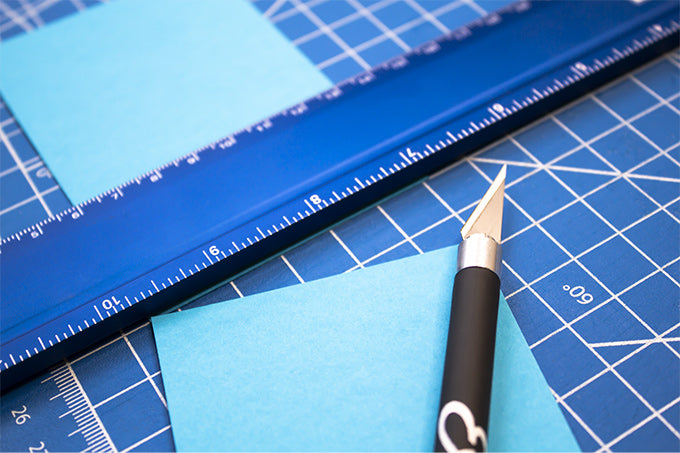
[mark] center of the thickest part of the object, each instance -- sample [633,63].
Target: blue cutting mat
[591,250]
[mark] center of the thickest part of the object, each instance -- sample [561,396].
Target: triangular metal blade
[487,217]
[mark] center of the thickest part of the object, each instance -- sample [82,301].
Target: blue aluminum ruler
[416,235]
[368,137]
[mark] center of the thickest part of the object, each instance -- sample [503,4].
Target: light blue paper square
[115,91]
[348,363]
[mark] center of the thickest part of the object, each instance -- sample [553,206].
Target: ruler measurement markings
[79,410]
[69,412]
[78,430]
[56,374]
[91,434]
[64,393]
[403,166]
[649,40]
[90,422]
[63,388]
[79,402]
[73,398]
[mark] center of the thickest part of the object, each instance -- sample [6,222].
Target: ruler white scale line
[91,432]
[70,400]
[77,412]
[73,379]
[70,412]
[90,422]
[64,390]
[80,412]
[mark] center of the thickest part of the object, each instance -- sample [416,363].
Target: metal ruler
[344,149]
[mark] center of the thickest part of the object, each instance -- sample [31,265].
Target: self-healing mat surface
[125,87]
[590,188]
[351,362]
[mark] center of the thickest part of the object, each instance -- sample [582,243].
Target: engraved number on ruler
[579,294]
[108,304]
[20,416]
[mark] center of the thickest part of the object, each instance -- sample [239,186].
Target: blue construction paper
[349,363]
[122,88]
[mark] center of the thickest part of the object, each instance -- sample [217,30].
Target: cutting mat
[591,255]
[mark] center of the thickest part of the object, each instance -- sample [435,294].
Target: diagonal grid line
[600,305]
[580,421]
[638,425]
[399,229]
[378,23]
[414,235]
[330,33]
[600,216]
[570,328]
[613,365]
[21,166]
[593,247]
[618,232]
[144,370]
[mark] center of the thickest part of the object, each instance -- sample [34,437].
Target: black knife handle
[466,387]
